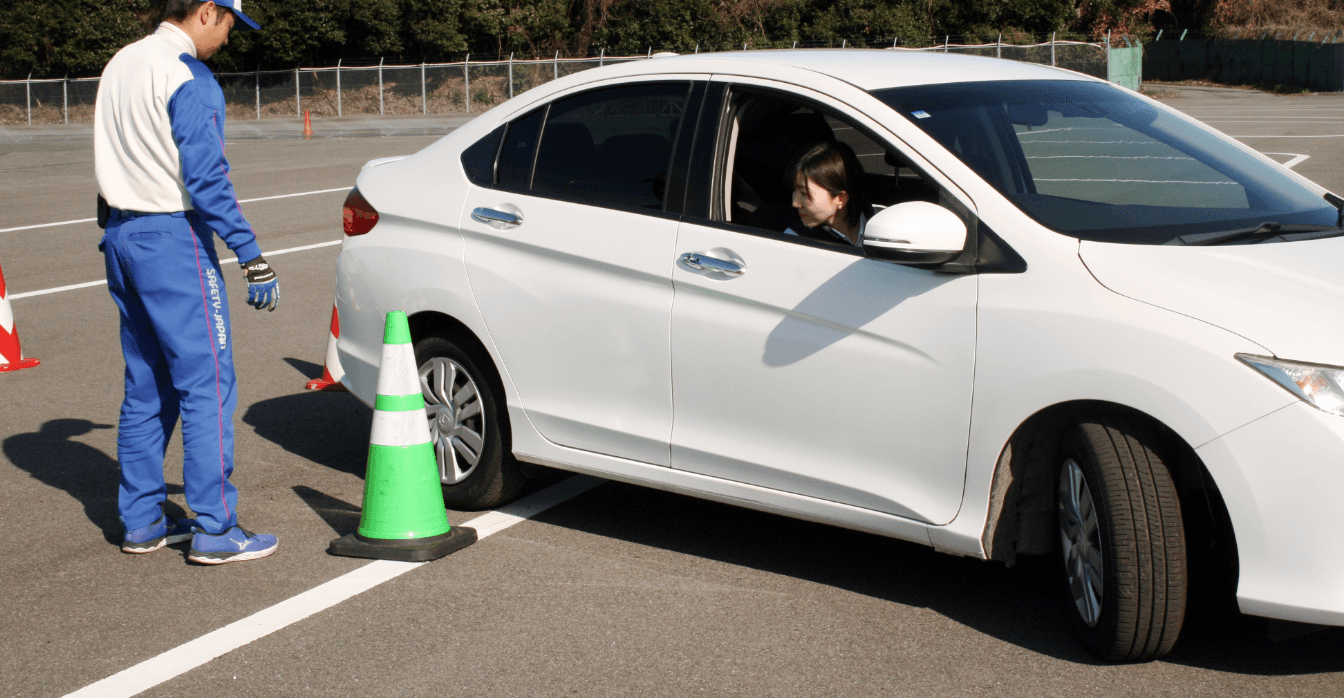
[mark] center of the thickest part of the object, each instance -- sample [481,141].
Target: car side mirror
[915,232]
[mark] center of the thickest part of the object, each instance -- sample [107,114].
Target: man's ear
[842,199]
[207,14]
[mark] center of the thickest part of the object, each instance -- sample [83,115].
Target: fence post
[298,99]
[258,85]
[998,47]
[424,95]
[1052,48]
[339,110]
[947,40]
[510,74]
[650,53]
[697,48]
[380,87]
[601,57]
[843,43]
[555,67]
[65,98]
[29,86]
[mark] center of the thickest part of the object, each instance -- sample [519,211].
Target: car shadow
[1018,605]
[327,428]
[843,304]
[52,456]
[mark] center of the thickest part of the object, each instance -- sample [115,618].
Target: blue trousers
[164,276]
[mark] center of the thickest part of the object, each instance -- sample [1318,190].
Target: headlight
[1320,386]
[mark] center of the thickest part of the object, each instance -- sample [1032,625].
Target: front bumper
[1282,477]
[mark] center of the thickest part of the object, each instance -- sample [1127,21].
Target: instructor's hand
[263,288]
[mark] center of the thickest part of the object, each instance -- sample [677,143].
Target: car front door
[805,367]
[570,264]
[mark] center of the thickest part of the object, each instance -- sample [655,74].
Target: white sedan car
[1078,322]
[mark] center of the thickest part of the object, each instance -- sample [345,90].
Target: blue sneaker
[234,545]
[165,531]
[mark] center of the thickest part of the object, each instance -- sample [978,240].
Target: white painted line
[90,284]
[1333,135]
[1296,159]
[241,201]
[202,650]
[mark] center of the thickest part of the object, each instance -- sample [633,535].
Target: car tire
[463,406]
[1122,540]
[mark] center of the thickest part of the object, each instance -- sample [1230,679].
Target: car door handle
[490,215]
[706,263]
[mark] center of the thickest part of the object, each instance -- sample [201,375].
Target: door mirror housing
[915,232]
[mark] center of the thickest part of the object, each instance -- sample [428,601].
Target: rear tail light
[358,214]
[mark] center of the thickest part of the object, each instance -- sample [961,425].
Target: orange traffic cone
[307,125]
[11,355]
[332,373]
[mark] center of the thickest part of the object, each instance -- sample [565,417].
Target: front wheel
[465,427]
[1122,540]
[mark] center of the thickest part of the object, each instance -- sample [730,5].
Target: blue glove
[263,288]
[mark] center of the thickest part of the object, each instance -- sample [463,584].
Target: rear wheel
[1122,540]
[465,428]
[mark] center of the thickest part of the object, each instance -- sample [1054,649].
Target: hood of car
[1287,297]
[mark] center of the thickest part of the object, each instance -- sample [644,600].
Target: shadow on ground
[1018,605]
[327,428]
[53,457]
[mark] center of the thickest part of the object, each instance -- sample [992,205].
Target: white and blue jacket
[158,137]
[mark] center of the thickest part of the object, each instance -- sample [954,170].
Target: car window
[479,160]
[514,171]
[611,145]
[767,130]
[1093,161]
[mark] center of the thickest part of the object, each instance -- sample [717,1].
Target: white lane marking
[1296,159]
[89,284]
[241,201]
[1333,135]
[184,658]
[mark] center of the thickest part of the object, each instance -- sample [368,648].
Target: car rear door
[570,265]
[815,370]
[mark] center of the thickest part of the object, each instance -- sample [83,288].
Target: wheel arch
[426,323]
[1022,517]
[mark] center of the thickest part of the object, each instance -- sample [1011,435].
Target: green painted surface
[397,330]
[1124,66]
[403,498]
[399,403]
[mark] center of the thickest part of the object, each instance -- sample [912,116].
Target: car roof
[875,69]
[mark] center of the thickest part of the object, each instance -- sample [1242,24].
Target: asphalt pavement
[619,591]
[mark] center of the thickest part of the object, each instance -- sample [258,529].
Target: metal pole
[650,53]
[555,67]
[65,97]
[844,42]
[1052,48]
[258,82]
[466,82]
[998,47]
[601,57]
[298,100]
[29,86]
[380,87]
[697,48]
[339,111]
[947,40]
[510,74]
[424,95]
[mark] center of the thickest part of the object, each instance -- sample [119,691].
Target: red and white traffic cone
[307,125]
[332,373]
[11,355]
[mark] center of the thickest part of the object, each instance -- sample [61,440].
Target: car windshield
[1094,162]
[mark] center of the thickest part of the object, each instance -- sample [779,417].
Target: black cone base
[415,550]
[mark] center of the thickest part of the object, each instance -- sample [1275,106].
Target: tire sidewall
[1099,638]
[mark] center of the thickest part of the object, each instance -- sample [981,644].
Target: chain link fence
[464,87]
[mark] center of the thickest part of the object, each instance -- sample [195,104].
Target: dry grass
[1281,19]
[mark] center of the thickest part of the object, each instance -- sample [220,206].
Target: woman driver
[827,183]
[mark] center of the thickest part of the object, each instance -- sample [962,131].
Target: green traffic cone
[404,517]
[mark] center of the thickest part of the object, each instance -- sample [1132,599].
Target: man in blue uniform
[160,165]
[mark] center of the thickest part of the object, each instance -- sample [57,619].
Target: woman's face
[815,205]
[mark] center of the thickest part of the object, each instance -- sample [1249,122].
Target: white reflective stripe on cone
[398,374]
[409,428]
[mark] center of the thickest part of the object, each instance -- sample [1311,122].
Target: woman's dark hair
[180,10]
[833,166]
